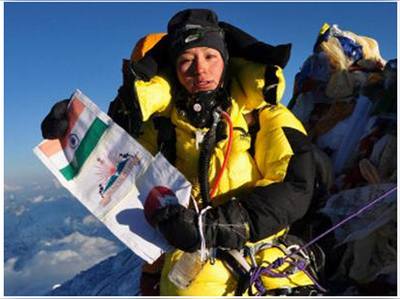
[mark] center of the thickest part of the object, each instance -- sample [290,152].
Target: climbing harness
[257,272]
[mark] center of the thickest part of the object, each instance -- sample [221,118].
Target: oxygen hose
[228,151]
[206,150]
[207,147]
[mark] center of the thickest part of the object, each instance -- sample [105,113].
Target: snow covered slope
[116,276]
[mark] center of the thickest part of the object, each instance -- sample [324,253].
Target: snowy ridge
[116,276]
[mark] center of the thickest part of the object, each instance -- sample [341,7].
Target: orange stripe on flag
[74,111]
[50,147]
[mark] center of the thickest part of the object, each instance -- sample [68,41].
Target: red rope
[227,153]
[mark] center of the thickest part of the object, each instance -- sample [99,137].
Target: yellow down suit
[271,171]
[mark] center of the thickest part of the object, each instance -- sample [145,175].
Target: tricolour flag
[114,177]
[84,132]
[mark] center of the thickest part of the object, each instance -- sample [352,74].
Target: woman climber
[207,95]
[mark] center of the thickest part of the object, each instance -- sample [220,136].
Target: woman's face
[200,69]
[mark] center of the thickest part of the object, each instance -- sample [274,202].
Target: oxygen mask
[200,106]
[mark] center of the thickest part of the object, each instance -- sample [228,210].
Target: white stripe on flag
[59,160]
[78,132]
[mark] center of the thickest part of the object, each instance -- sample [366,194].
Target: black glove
[242,44]
[55,124]
[179,226]
[225,226]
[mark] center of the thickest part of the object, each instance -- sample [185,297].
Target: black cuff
[227,226]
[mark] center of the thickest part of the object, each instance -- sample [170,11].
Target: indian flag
[84,132]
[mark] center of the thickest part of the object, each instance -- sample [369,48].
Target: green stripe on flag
[84,149]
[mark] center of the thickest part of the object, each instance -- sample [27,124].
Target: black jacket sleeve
[276,206]
[225,226]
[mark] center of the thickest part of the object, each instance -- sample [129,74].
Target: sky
[51,49]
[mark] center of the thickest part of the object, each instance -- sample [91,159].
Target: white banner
[114,177]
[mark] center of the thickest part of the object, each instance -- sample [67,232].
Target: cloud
[59,261]
[37,187]
[20,210]
[89,220]
[8,187]
[38,199]
[41,198]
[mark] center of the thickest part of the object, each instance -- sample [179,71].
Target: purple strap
[256,273]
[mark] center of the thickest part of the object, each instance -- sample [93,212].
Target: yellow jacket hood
[253,86]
